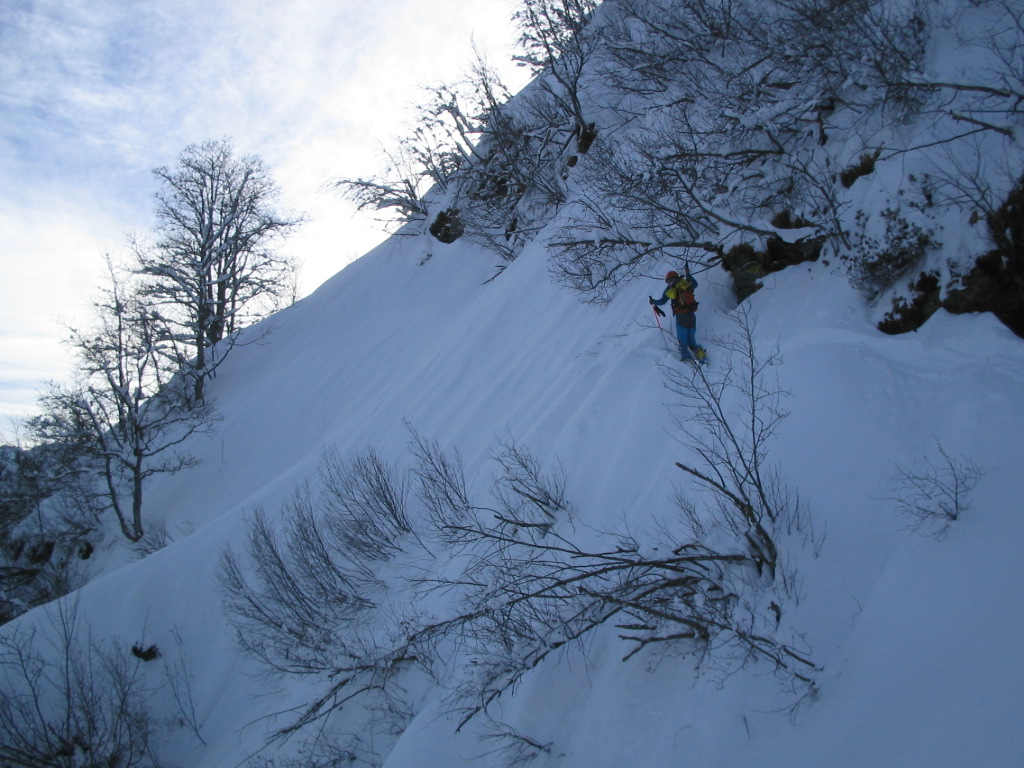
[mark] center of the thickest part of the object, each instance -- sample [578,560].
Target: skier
[679,290]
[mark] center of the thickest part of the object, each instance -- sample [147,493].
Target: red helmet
[671,275]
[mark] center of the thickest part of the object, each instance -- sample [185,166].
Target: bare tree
[557,42]
[937,492]
[687,173]
[28,476]
[512,183]
[213,267]
[515,178]
[473,164]
[128,413]
[399,191]
[495,167]
[66,701]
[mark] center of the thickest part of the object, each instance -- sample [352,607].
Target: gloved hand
[656,307]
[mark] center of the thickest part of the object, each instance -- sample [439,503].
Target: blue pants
[687,339]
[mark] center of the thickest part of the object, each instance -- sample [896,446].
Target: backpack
[683,301]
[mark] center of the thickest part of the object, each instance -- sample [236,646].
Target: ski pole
[662,332]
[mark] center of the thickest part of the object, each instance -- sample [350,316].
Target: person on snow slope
[679,291]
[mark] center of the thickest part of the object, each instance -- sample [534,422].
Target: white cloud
[95,93]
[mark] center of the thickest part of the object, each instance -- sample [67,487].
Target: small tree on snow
[128,412]
[212,269]
[935,493]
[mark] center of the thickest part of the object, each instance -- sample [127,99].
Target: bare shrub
[511,745]
[513,582]
[294,613]
[878,262]
[933,493]
[527,496]
[180,681]
[67,702]
[441,485]
[364,504]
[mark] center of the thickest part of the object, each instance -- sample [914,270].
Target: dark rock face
[447,226]
[747,266]
[782,254]
[588,134]
[909,315]
[995,284]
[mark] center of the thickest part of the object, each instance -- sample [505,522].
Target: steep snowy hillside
[914,636]
[578,582]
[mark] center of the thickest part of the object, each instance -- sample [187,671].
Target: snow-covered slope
[916,637]
[913,635]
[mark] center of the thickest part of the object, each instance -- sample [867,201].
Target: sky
[94,94]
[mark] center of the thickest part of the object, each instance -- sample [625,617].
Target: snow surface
[917,637]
